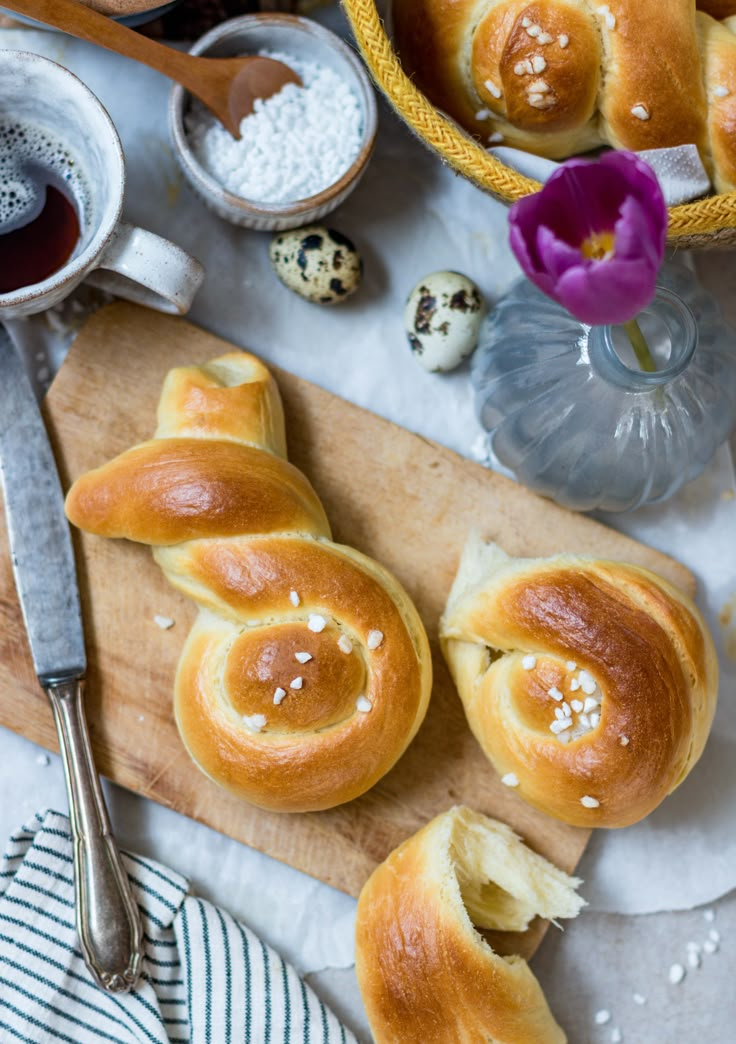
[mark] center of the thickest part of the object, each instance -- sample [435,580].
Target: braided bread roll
[560,77]
[425,974]
[590,685]
[307,672]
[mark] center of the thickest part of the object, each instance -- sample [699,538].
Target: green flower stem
[640,346]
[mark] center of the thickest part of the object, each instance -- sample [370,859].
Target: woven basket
[709,222]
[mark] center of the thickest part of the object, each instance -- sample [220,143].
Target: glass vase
[571,414]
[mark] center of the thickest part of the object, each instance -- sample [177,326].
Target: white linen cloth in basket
[206,978]
[679,169]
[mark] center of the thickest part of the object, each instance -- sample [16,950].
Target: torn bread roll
[425,974]
[594,683]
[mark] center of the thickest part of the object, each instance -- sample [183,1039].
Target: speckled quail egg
[442,320]
[318,263]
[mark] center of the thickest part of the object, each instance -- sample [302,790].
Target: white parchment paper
[409,216]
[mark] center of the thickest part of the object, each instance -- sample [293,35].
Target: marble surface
[411,216]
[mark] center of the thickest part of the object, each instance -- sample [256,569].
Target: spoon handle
[78,20]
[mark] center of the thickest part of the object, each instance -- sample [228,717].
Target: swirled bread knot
[561,77]
[590,685]
[307,672]
[425,974]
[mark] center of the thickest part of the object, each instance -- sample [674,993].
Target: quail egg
[442,320]
[318,263]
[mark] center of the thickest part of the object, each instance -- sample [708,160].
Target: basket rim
[707,217]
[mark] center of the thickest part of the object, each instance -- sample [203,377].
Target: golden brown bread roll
[425,974]
[308,671]
[560,77]
[590,685]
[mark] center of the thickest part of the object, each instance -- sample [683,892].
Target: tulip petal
[606,291]
[558,255]
[644,186]
[634,237]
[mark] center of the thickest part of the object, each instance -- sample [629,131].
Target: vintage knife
[107,918]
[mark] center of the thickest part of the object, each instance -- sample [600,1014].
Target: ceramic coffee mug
[110,254]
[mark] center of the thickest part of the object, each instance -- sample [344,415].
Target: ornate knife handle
[108,922]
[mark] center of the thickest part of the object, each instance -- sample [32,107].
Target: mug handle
[147,269]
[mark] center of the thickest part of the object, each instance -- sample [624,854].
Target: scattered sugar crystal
[587,683]
[714,935]
[164,622]
[639,998]
[374,639]
[602,1017]
[571,665]
[279,695]
[43,759]
[296,683]
[676,974]
[363,704]
[616,1035]
[294,598]
[510,780]
[316,623]
[344,644]
[254,722]
[529,663]
[560,725]
[589,802]
[303,657]
[709,914]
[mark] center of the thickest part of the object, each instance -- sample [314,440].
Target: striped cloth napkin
[206,980]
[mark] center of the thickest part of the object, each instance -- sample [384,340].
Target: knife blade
[38,532]
[107,918]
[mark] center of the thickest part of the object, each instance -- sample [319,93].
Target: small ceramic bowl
[305,39]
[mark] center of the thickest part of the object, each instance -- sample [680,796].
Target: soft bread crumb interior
[478,562]
[503,884]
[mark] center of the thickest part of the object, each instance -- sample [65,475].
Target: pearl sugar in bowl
[303,150]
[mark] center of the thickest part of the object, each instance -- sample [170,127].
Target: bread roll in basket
[590,685]
[307,672]
[631,73]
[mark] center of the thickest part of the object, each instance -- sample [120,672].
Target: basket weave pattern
[709,222]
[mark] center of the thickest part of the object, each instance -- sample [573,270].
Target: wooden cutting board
[402,499]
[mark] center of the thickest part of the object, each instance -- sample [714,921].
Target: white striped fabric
[207,979]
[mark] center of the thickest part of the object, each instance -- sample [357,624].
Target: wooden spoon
[227,86]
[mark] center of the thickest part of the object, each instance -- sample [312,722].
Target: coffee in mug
[42,191]
[62,183]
